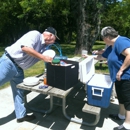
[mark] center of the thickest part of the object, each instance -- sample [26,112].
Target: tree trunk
[88,24]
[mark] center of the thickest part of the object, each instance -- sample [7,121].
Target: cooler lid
[100,80]
[86,69]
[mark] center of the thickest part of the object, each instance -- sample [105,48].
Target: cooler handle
[100,95]
[72,66]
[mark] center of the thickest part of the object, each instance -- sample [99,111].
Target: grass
[98,45]
[67,50]
[104,68]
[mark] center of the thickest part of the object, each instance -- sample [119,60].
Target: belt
[8,55]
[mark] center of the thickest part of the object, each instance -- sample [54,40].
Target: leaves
[117,15]
[20,16]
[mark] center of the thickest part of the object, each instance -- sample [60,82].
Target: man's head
[52,30]
[50,35]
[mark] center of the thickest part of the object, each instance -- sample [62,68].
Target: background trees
[117,15]
[88,23]
[75,20]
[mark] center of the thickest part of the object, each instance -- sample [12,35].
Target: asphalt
[55,120]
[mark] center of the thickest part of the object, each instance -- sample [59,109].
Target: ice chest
[63,77]
[99,90]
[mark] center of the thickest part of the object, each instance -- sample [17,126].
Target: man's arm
[35,54]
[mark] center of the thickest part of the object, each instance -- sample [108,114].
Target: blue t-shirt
[115,59]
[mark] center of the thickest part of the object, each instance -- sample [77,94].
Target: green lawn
[67,50]
[98,45]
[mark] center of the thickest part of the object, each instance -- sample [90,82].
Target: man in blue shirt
[21,55]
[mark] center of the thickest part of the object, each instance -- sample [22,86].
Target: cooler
[98,86]
[99,90]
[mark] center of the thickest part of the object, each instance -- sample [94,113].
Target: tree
[78,20]
[88,18]
[11,27]
[117,16]
[20,16]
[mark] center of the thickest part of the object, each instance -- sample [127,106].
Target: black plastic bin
[63,77]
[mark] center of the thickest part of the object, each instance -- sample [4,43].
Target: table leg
[80,121]
[39,110]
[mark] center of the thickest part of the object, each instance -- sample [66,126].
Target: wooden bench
[92,110]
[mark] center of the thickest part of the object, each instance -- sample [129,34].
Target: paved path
[56,119]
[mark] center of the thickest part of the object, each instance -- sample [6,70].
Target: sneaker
[115,117]
[26,118]
[121,127]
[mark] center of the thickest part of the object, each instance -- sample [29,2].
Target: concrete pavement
[55,120]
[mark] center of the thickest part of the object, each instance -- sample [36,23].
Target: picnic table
[62,94]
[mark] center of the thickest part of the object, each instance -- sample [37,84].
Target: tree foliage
[117,15]
[74,20]
[20,16]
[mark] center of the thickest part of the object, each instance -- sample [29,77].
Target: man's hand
[48,59]
[84,55]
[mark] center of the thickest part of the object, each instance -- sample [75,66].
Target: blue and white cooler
[98,86]
[99,90]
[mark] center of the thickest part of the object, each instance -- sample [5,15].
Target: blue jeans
[11,72]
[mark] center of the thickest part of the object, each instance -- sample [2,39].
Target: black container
[63,77]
